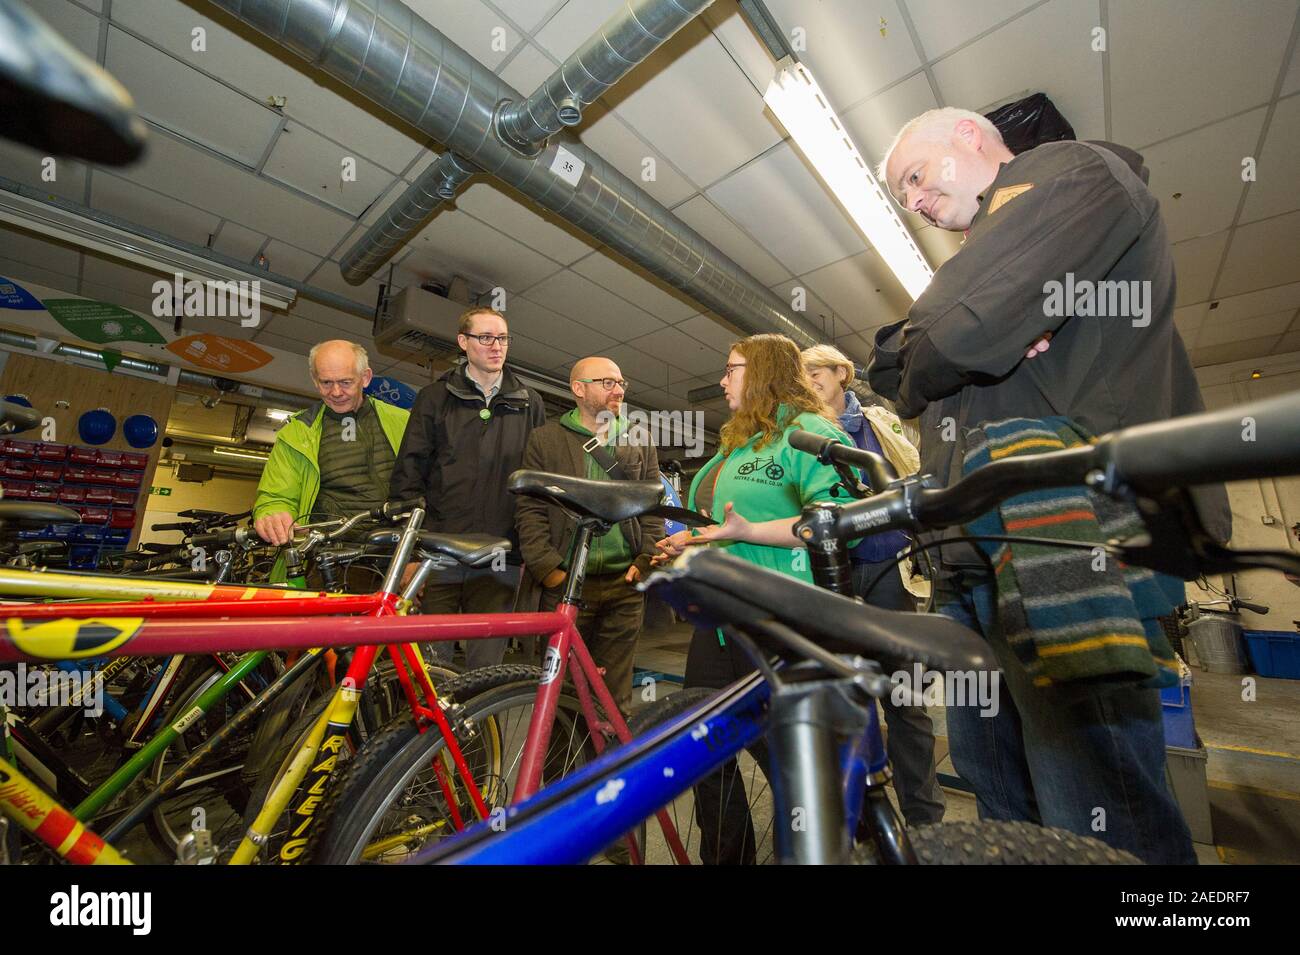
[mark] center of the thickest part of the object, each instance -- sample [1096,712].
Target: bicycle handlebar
[880,473]
[20,416]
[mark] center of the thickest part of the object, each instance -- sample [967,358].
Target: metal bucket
[1219,644]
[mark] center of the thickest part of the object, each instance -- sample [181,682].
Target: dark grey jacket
[960,354]
[544,528]
[459,460]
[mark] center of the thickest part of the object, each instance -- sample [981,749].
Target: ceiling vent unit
[418,326]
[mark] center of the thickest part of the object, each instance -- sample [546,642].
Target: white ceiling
[1197,85]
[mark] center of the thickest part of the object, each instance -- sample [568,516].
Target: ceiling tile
[474,28]
[862,291]
[519,217]
[236,241]
[456,243]
[1175,64]
[1277,299]
[723,17]
[1195,263]
[704,328]
[1217,332]
[1275,187]
[814,311]
[943,25]
[634,363]
[284,343]
[709,221]
[1292,82]
[681,351]
[1048,49]
[626,280]
[1204,167]
[535,353]
[570,294]
[526,14]
[21,246]
[851,52]
[29,276]
[874,124]
[1233,351]
[1290,342]
[310,162]
[289,260]
[134,203]
[856,347]
[783,205]
[576,21]
[328,277]
[543,325]
[79,27]
[1188,320]
[29,167]
[247,64]
[527,69]
[324,319]
[604,132]
[1262,254]
[185,101]
[705,136]
[227,190]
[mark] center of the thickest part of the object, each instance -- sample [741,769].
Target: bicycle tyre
[377,780]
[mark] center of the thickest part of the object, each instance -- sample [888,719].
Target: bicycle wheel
[382,701]
[1009,843]
[388,803]
[730,821]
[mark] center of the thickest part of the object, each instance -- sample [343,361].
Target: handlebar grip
[1253,608]
[1255,440]
[209,540]
[808,442]
[387,510]
[170,527]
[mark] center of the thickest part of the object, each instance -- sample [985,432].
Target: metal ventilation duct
[401,62]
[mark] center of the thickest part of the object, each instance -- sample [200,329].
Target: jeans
[910,742]
[472,590]
[1089,759]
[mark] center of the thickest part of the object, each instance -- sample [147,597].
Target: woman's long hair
[774,375]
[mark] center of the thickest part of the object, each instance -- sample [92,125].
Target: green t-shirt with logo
[773,482]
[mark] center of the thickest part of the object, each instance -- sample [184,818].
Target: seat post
[578,551]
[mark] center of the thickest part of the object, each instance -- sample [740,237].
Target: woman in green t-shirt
[758,485]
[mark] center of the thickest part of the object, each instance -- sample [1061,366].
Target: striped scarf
[1069,615]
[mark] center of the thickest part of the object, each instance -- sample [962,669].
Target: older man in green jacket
[332,459]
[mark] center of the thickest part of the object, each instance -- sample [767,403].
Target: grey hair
[359,356]
[936,126]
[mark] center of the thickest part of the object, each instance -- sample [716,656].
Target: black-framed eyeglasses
[606,383]
[487,340]
[729,368]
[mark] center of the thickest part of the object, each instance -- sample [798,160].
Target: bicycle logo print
[767,466]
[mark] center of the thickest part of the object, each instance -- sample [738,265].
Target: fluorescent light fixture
[242,455]
[278,414]
[79,230]
[804,111]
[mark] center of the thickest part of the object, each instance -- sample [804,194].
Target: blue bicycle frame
[580,815]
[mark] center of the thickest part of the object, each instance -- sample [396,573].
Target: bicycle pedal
[196,848]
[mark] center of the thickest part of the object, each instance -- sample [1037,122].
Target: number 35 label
[567,166]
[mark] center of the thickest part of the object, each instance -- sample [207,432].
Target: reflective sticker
[1006,194]
[70,639]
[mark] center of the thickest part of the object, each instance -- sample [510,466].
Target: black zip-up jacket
[459,460]
[958,360]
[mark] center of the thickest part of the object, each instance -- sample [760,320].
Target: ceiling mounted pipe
[384,51]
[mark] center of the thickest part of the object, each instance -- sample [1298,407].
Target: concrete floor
[1252,747]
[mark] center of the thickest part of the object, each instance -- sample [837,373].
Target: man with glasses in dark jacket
[466,435]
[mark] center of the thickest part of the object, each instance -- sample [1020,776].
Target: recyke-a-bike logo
[764,470]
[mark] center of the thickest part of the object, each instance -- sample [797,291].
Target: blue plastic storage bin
[1274,653]
[1176,708]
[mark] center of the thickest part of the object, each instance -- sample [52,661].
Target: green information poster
[101,322]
